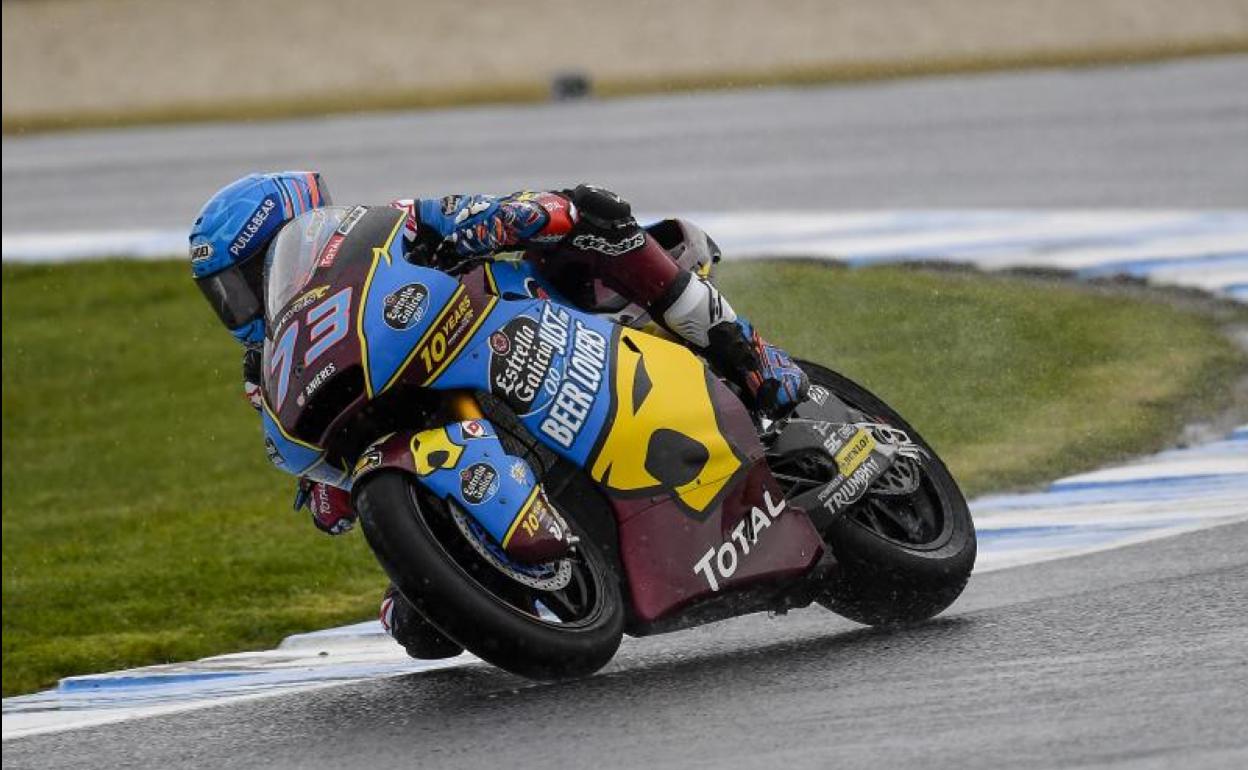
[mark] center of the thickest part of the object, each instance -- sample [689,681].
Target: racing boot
[695,310]
[412,631]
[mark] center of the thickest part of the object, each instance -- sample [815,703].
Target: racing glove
[330,506]
[252,357]
[466,226]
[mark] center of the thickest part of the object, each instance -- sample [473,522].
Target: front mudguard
[465,462]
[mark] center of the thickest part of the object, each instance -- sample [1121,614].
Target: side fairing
[551,364]
[413,322]
[676,452]
[642,415]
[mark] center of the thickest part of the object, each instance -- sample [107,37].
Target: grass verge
[141,522]
[532,92]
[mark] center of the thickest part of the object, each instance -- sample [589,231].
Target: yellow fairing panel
[664,435]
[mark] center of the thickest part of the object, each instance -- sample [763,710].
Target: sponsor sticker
[351,219]
[854,452]
[610,248]
[449,333]
[520,472]
[450,203]
[257,220]
[846,490]
[473,429]
[721,562]
[521,354]
[405,306]
[330,252]
[201,251]
[319,379]
[301,302]
[478,483]
[537,516]
[500,343]
[841,436]
[818,394]
[583,376]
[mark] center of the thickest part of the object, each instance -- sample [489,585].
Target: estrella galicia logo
[478,483]
[521,355]
[405,306]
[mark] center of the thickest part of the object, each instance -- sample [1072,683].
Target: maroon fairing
[661,545]
[673,561]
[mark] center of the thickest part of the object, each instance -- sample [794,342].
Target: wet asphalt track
[1169,135]
[1130,658]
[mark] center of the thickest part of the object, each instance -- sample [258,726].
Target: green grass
[277,107]
[142,523]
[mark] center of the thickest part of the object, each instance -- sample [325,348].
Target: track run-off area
[1105,623]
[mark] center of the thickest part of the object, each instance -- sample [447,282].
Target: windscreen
[292,256]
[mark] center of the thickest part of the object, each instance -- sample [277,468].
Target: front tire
[537,634]
[890,573]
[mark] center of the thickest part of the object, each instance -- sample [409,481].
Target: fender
[466,463]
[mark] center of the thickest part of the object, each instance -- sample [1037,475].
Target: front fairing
[361,321]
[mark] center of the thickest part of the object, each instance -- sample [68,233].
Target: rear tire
[883,580]
[475,604]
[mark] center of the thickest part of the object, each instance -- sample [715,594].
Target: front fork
[462,405]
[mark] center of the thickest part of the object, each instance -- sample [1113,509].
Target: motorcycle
[539,477]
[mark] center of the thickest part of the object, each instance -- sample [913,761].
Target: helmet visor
[233,292]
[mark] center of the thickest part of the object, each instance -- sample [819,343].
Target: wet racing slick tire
[901,559]
[540,634]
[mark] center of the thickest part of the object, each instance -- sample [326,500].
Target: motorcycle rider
[572,235]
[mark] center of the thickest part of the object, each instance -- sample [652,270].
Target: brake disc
[900,478]
[552,576]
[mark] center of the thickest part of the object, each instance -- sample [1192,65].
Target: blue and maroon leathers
[574,236]
[590,233]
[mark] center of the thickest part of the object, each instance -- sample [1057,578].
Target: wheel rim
[915,520]
[578,604]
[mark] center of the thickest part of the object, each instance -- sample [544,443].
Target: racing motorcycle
[539,477]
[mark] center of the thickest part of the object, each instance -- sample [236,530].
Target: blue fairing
[520,279]
[550,363]
[487,482]
[297,458]
[403,302]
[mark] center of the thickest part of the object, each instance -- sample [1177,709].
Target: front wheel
[905,550]
[556,621]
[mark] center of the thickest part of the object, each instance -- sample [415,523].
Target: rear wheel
[905,550]
[555,621]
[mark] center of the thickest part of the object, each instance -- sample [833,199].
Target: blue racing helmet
[231,233]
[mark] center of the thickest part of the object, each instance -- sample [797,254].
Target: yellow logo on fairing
[434,449]
[664,434]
